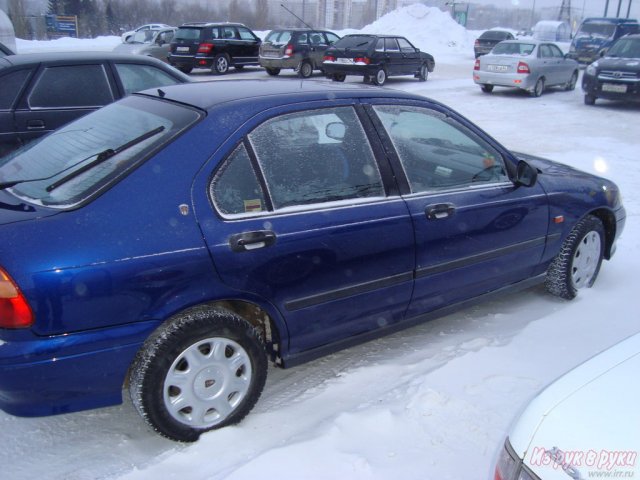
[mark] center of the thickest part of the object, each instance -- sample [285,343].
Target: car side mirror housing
[526,175]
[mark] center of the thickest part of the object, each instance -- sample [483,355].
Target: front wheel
[486,88]
[423,73]
[577,264]
[220,64]
[380,77]
[202,370]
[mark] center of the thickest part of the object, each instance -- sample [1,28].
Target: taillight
[476,43]
[288,50]
[476,66]
[205,47]
[328,58]
[523,68]
[362,60]
[14,309]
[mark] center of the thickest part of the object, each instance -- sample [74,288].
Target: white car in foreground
[584,425]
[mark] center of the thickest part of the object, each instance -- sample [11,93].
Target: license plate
[497,68]
[584,59]
[613,87]
[182,49]
[345,60]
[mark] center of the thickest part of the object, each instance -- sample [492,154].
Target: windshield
[513,49]
[355,41]
[604,30]
[70,153]
[625,48]
[278,37]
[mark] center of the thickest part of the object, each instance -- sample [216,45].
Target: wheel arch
[608,220]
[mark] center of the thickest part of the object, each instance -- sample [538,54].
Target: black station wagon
[376,57]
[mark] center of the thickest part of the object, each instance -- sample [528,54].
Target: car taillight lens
[288,50]
[476,66]
[364,60]
[328,58]
[205,48]
[523,68]
[14,309]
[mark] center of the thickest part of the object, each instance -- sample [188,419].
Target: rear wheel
[305,70]
[589,99]
[202,370]
[571,84]
[273,71]
[220,64]
[538,88]
[486,88]
[380,77]
[338,77]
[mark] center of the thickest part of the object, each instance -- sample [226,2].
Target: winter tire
[578,262]
[305,70]
[589,99]
[571,84]
[486,88]
[380,77]
[423,73]
[539,88]
[202,370]
[220,64]
[273,71]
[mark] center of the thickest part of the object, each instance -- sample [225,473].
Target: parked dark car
[4,50]
[616,76]
[376,57]
[489,39]
[41,92]
[214,45]
[177,251]
[596,35]
[301,49]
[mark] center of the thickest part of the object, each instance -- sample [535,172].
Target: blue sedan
[177,240]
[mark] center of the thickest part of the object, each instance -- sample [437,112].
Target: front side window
[438,153]
[391,45]
[316,156]
[302,39]
[141,77]
[91,153]
[331,37]
[245,34]
[228,32]
[405,46]
[64,87]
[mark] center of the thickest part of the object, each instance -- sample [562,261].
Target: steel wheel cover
[381,76]
[207,382]
[585,260]
[307,70]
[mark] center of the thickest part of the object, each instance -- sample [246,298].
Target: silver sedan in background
[526,64]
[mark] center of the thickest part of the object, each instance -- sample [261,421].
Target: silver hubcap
[207,382]
[585,260]
[306,70]
[381,76]
[222,64]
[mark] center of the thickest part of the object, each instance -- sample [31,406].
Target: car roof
[298,29]
[212,24]
[375,35]
[72,57]
[208,95]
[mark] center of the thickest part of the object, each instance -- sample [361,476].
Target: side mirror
[526,175]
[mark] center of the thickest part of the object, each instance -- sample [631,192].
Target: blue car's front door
[475,230]
[305,223]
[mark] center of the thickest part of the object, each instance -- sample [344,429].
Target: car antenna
[309,26]
[161,93]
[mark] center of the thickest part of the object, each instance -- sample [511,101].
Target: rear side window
[11,85]
[188,34]
[361,42]
[60,87]
[391,45]
[140,77]
[331,37]
[302,39]
[405,46]
[278,37]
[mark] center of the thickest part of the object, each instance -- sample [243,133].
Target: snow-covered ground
[432,402]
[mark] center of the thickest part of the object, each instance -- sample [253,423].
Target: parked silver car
[526,64]
[152,43]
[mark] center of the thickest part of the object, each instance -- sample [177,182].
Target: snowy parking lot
[431,402]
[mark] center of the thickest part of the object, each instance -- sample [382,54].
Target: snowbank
[67,44]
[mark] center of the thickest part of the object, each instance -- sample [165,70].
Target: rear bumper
[190,61]
[333,67]
[283,63]
[525,82]
[67,373]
